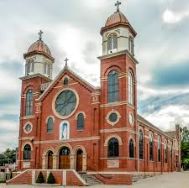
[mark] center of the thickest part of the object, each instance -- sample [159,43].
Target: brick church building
[68,124]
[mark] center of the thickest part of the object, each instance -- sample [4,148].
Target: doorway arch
[64,158]
[50,160]
[79,160]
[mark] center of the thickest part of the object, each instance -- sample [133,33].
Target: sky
[72,29]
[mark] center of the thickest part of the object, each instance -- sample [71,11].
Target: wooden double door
[64,158]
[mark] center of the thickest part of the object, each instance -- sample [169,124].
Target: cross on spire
[40,34]
[66,61]
[117,4]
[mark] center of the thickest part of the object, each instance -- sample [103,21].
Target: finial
[66,62]
[40,34]
[117,4]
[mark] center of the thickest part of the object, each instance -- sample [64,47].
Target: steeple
[39,59]
[117,34]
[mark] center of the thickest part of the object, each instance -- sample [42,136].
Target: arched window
[65,81]
[141,145]
[159,149]
[112,42]
[50,123]
[80,121]
[113,148]
[27,152]
[166,152]
[113,86]
[151,144]
[131,148]
[130,88]
[29,102]
[131,45]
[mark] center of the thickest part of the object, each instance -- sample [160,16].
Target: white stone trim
[108,115]
[25,143]
[80,112]
[113,136]
[24,127]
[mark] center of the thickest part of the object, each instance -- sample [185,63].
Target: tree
[50,179]
[8,157]
[185,148]
[40,178]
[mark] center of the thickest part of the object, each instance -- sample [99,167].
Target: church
[76,131]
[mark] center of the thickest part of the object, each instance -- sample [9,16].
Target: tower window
[27,152]
[113,148]
[151,143]
[112,42]
[113,86]
[131,45]
[130,88]
[80,121]
[50,124]
[131,148]
[29,103]
[141,145]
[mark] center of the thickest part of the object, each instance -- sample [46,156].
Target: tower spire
[117,4]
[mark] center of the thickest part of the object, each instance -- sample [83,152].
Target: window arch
[151,144]
[80,121]
[29,102]
[113,148]
[50,124]
[159,149]
[130,88]
[112,42]
[141,145]
[166,152]
[131,148]
[65,81]
[113,86]
[27,152]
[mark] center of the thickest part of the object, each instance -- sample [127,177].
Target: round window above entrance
[65,103]
[113,117]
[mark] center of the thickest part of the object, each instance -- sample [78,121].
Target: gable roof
[83,82]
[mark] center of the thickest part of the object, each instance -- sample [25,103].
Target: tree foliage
[8,157]
[185,147]
[40,178]
[51,179]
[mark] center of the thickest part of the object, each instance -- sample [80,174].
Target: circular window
[28,128]
[66,103]
[113,117]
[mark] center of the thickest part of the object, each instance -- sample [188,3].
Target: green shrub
[40,178]
[51,179]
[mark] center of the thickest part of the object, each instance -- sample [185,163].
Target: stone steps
[90,179]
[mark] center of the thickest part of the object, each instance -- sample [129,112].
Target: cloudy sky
[71,29]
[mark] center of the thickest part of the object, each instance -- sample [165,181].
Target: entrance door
[64,158]
[50,160]
[79,160]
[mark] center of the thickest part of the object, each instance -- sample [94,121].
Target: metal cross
[117,4]
[66,61]
[40,34]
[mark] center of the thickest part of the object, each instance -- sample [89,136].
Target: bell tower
[118,87]
[39,59]
[117,34]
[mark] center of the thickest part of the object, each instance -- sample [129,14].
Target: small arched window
[151,144]
[159,149]
[113,148]
[50,123]
[80,121]
[131,148]
[166,152]
[29,102]
[113,86]
[130,88]
[112,42]
[65,81]
[141,145]
[131,45]
[27,152]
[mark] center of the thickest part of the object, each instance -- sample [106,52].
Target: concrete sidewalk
[172,180]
